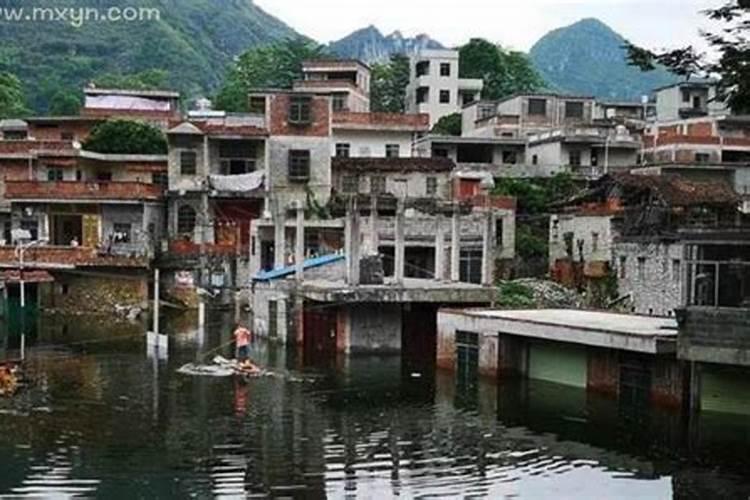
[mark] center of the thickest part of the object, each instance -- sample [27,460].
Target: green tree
[126,137]
[12,98]
[731,63]
[65,103]
[277,66]
[150,79]
[448,125]
[504,72]
[388,84]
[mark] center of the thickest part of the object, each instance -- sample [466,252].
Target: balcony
[68,257]
[88,191]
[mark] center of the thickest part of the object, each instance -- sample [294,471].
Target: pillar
[399,253]
[374,237]
[299,248]
[352,244]
[279,235]
[439,248]
[455,245]
[488,249]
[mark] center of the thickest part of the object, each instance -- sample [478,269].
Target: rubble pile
[549,295]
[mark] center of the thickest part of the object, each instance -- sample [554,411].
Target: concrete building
[688,99]
[346,81]
[617,355]
[377,135]
[158,107]
[435,86]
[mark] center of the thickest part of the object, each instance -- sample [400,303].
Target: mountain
[370,45]
[193,40]
[588,58]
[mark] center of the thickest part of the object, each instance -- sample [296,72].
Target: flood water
[102,419]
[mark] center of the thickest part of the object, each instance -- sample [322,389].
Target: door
[320,330]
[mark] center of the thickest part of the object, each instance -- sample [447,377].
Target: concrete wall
[715,335]
[408,184]
[373,328]
[262,294]
[596,232]
[653,276]
[319,184]
[371,143]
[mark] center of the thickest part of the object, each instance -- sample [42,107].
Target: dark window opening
[445,69]
[422,68]
[573,109]
[299,165]
[343,150]
[257,104]
[186,219]
[499,233]
[432,186]
[574,158]
[350,184]
[392,151]
[339,102]
[510,158]
[538,107]
[160,179]
[104,177]
[300,110]
[121,232]
[188,160]
[66,136]
[470,266]
[423,95]
[54,174]
[445,97]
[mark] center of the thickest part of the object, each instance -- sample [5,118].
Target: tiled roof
[394,164]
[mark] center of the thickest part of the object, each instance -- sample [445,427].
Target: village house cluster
[347,230]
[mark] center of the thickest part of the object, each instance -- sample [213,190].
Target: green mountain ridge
[589,58]
[193,40]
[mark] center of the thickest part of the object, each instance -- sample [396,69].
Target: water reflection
[102,419]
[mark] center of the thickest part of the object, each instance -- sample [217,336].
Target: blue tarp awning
[289,270]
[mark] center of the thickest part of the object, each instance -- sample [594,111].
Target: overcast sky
[513,23]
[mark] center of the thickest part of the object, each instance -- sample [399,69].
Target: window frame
[445,69]
[537,101]
[300,110]
[343,150]
[391,148]
[55,174]
[441,96]
[431,186]
[182,216]
[298,165]
[185,166]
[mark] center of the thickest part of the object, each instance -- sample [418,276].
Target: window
[121,232]
[237,166]
[422,68]
[299,165]
[535,160]
[499,233]
[573,109]
[66,136]
[188,162]
[257,104]
[15,135]
[486,111]
[685,95]
[432,186]
[470,266]
[339,102]
[574,158]
[445,97]
[509,157]
[538,107]
[79,175]
[350,184]
[702,158]
[300,110]
[377,184]
[423,95]
[641,268]
[32,226]
[104,177]
[594,158]
[7,232]
[392,151]
[445,69]
[594,242]
[623,267]
[185,219]
[342,150]
[676,270]
[54,174]
[160,179]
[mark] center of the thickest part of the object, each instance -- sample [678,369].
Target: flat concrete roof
[412,290]
[592,328]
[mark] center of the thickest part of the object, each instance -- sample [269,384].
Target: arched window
[186,219]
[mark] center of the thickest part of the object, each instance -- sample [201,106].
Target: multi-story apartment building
[688,99]
[435,86]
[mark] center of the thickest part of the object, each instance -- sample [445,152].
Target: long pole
[156,301]
[22,285]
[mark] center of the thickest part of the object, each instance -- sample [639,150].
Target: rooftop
[335,63]
[164,94]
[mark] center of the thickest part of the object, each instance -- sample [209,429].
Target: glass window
[188,161]
[300,109]
[299,165]
[445,69]
[538,107]
[445,97]
[185,219]
[343,150]
[392,151]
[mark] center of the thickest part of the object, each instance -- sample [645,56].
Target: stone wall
[82,292]
[652,274]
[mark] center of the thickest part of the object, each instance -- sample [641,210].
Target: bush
[514,294]
[126,137]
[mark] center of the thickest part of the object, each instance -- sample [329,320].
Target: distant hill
[370,45]
[193,40]
[588,58]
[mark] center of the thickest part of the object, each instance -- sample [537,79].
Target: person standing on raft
[242,338]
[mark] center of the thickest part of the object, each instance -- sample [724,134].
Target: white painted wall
[372,143]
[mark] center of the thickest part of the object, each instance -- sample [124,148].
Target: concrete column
[279,235]
[299,249]
[455,245]
[439,248]
[374,236]
[399,253]
[353,244]
[488,249]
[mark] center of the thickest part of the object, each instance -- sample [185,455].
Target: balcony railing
[73,190]
[68,257]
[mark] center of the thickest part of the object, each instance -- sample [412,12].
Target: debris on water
[222,367]
[416,375]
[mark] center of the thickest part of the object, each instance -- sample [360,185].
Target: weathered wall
[375,328]
[319,183]
[715,335]
[652,274]
[595,231]
[96,293]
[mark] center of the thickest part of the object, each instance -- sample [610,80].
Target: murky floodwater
[101,419]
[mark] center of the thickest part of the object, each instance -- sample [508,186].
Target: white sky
[513,23]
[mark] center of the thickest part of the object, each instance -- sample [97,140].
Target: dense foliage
[731,64]
[512,294]
[388,84]
[12,98]
[589,58]
[272,66]
[126,137]
[448,125]
[504,72]
[193,42]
